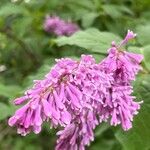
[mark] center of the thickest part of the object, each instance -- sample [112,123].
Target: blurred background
[29,45]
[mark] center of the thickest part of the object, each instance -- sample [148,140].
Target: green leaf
[41,72]
[100,129]
[108,9]
[104,139]
[98,57]
[9,9]
[9,91]
[146,52]
[5,110]
[134,49]
[22,25]
[91,39]
[88,19]
[143,33]
[138,137]
[89,5]
[116,9]
[105,144]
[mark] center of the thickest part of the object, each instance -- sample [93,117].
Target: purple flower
[119,107]
[59,27]
[79,133]
[79,95]
[49,99]
[51,23]
[130,35]
[124,66]
[68,88]
[93,83]
[124,108]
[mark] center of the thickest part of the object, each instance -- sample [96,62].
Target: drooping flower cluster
[79,95]
[124,66]
[59,27]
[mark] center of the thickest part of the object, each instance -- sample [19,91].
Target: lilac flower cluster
[59,27]
[79,95]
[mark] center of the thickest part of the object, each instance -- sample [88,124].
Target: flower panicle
[79,95]
[59,27]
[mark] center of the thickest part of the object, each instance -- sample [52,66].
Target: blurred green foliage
[27,53]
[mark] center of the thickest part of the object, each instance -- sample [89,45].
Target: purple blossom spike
[79,95]
[79,133]
[59,27]
[123,64]
[119,104]
[123,108]
[62,95]
[49,99]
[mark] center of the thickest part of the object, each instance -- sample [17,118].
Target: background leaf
[9,9]
[9,90]
[138,137]
[143,33]
[5,110]
[90,39]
